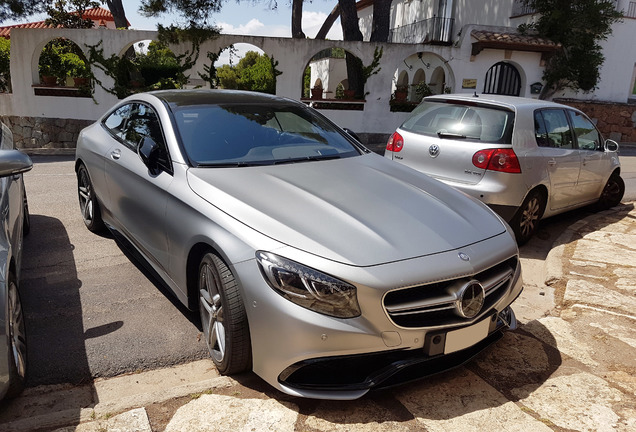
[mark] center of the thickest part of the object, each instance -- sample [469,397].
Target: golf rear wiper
[455,135]
[444,134]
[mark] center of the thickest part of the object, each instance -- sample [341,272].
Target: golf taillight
[504,160]
[395,143]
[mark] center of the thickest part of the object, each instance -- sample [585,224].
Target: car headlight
[308,287]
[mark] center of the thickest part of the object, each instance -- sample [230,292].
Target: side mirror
[611,145]
[148,151]
[14,162]
[352,134]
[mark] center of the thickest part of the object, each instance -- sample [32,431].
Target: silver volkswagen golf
[324,268]
[526,158]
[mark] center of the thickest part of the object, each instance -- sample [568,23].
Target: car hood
[361,211]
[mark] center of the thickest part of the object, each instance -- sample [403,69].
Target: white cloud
[255,28]
[312,21]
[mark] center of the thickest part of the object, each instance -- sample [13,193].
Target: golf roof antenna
[475,94]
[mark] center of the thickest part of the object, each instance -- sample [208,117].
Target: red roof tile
[96,14]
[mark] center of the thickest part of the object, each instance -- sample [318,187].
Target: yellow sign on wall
[470,83]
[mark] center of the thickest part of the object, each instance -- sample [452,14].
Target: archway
[329,66]
[62,63]
[504,79]
[244,66]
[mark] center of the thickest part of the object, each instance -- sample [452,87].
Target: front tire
[223,317]
[17,341]
[526,221]
[612,193]
[91,213]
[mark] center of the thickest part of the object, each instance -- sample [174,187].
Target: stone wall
[44,133]
[615,121]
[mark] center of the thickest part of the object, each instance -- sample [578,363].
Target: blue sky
[252,18]
[249,17]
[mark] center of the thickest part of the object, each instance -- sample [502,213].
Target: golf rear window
[461,121]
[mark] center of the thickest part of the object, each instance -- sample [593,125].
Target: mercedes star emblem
[470,299]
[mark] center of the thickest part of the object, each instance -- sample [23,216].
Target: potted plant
[77,69]
[51,67]
[422,90]
[401,92]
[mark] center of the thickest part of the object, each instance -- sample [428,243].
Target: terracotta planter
[316,93]
[49,81]
[80,82]
[401,95]
[349,94]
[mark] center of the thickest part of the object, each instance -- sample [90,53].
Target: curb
[58,406]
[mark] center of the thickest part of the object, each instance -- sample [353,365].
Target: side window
[556,129]
[145,123]
[116,121]
[587,136]
[540,132]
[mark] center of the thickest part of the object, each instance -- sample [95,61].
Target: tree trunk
[117,9]
[381,21]
[326,26]
[351,32]
[297,16]
[349,20]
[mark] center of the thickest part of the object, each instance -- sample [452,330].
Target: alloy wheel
[86,199]
[530,217]
[212,314]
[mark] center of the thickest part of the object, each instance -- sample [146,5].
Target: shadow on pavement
[508,370]
[51,298]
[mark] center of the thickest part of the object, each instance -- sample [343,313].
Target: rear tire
[612,193]
[17,341]
[91,213]
[223,317]
[526,221]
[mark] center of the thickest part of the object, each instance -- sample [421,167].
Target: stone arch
[57,61]
[438,80]
[329,65]
[505,78]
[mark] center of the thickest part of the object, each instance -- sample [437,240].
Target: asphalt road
[91,312]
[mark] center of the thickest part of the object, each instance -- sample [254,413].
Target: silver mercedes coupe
[326,269]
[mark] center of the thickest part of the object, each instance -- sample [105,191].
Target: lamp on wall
[408,65]
[419,56]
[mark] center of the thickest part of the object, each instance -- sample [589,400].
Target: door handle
[115,154]
[552,162]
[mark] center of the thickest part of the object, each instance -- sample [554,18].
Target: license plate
[457,340]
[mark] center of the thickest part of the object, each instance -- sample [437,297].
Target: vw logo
[462,256]
[433,150]
[470,299]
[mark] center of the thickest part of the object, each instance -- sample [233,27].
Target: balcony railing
[519,8]
[432,30]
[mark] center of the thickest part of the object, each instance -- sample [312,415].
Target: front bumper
[363,372]
[304,353]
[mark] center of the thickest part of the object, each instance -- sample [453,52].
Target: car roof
[214,97]
[512,102]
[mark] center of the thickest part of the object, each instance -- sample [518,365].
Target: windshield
[254,134]
[458,120]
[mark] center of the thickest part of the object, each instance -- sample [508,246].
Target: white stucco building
[489,53]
